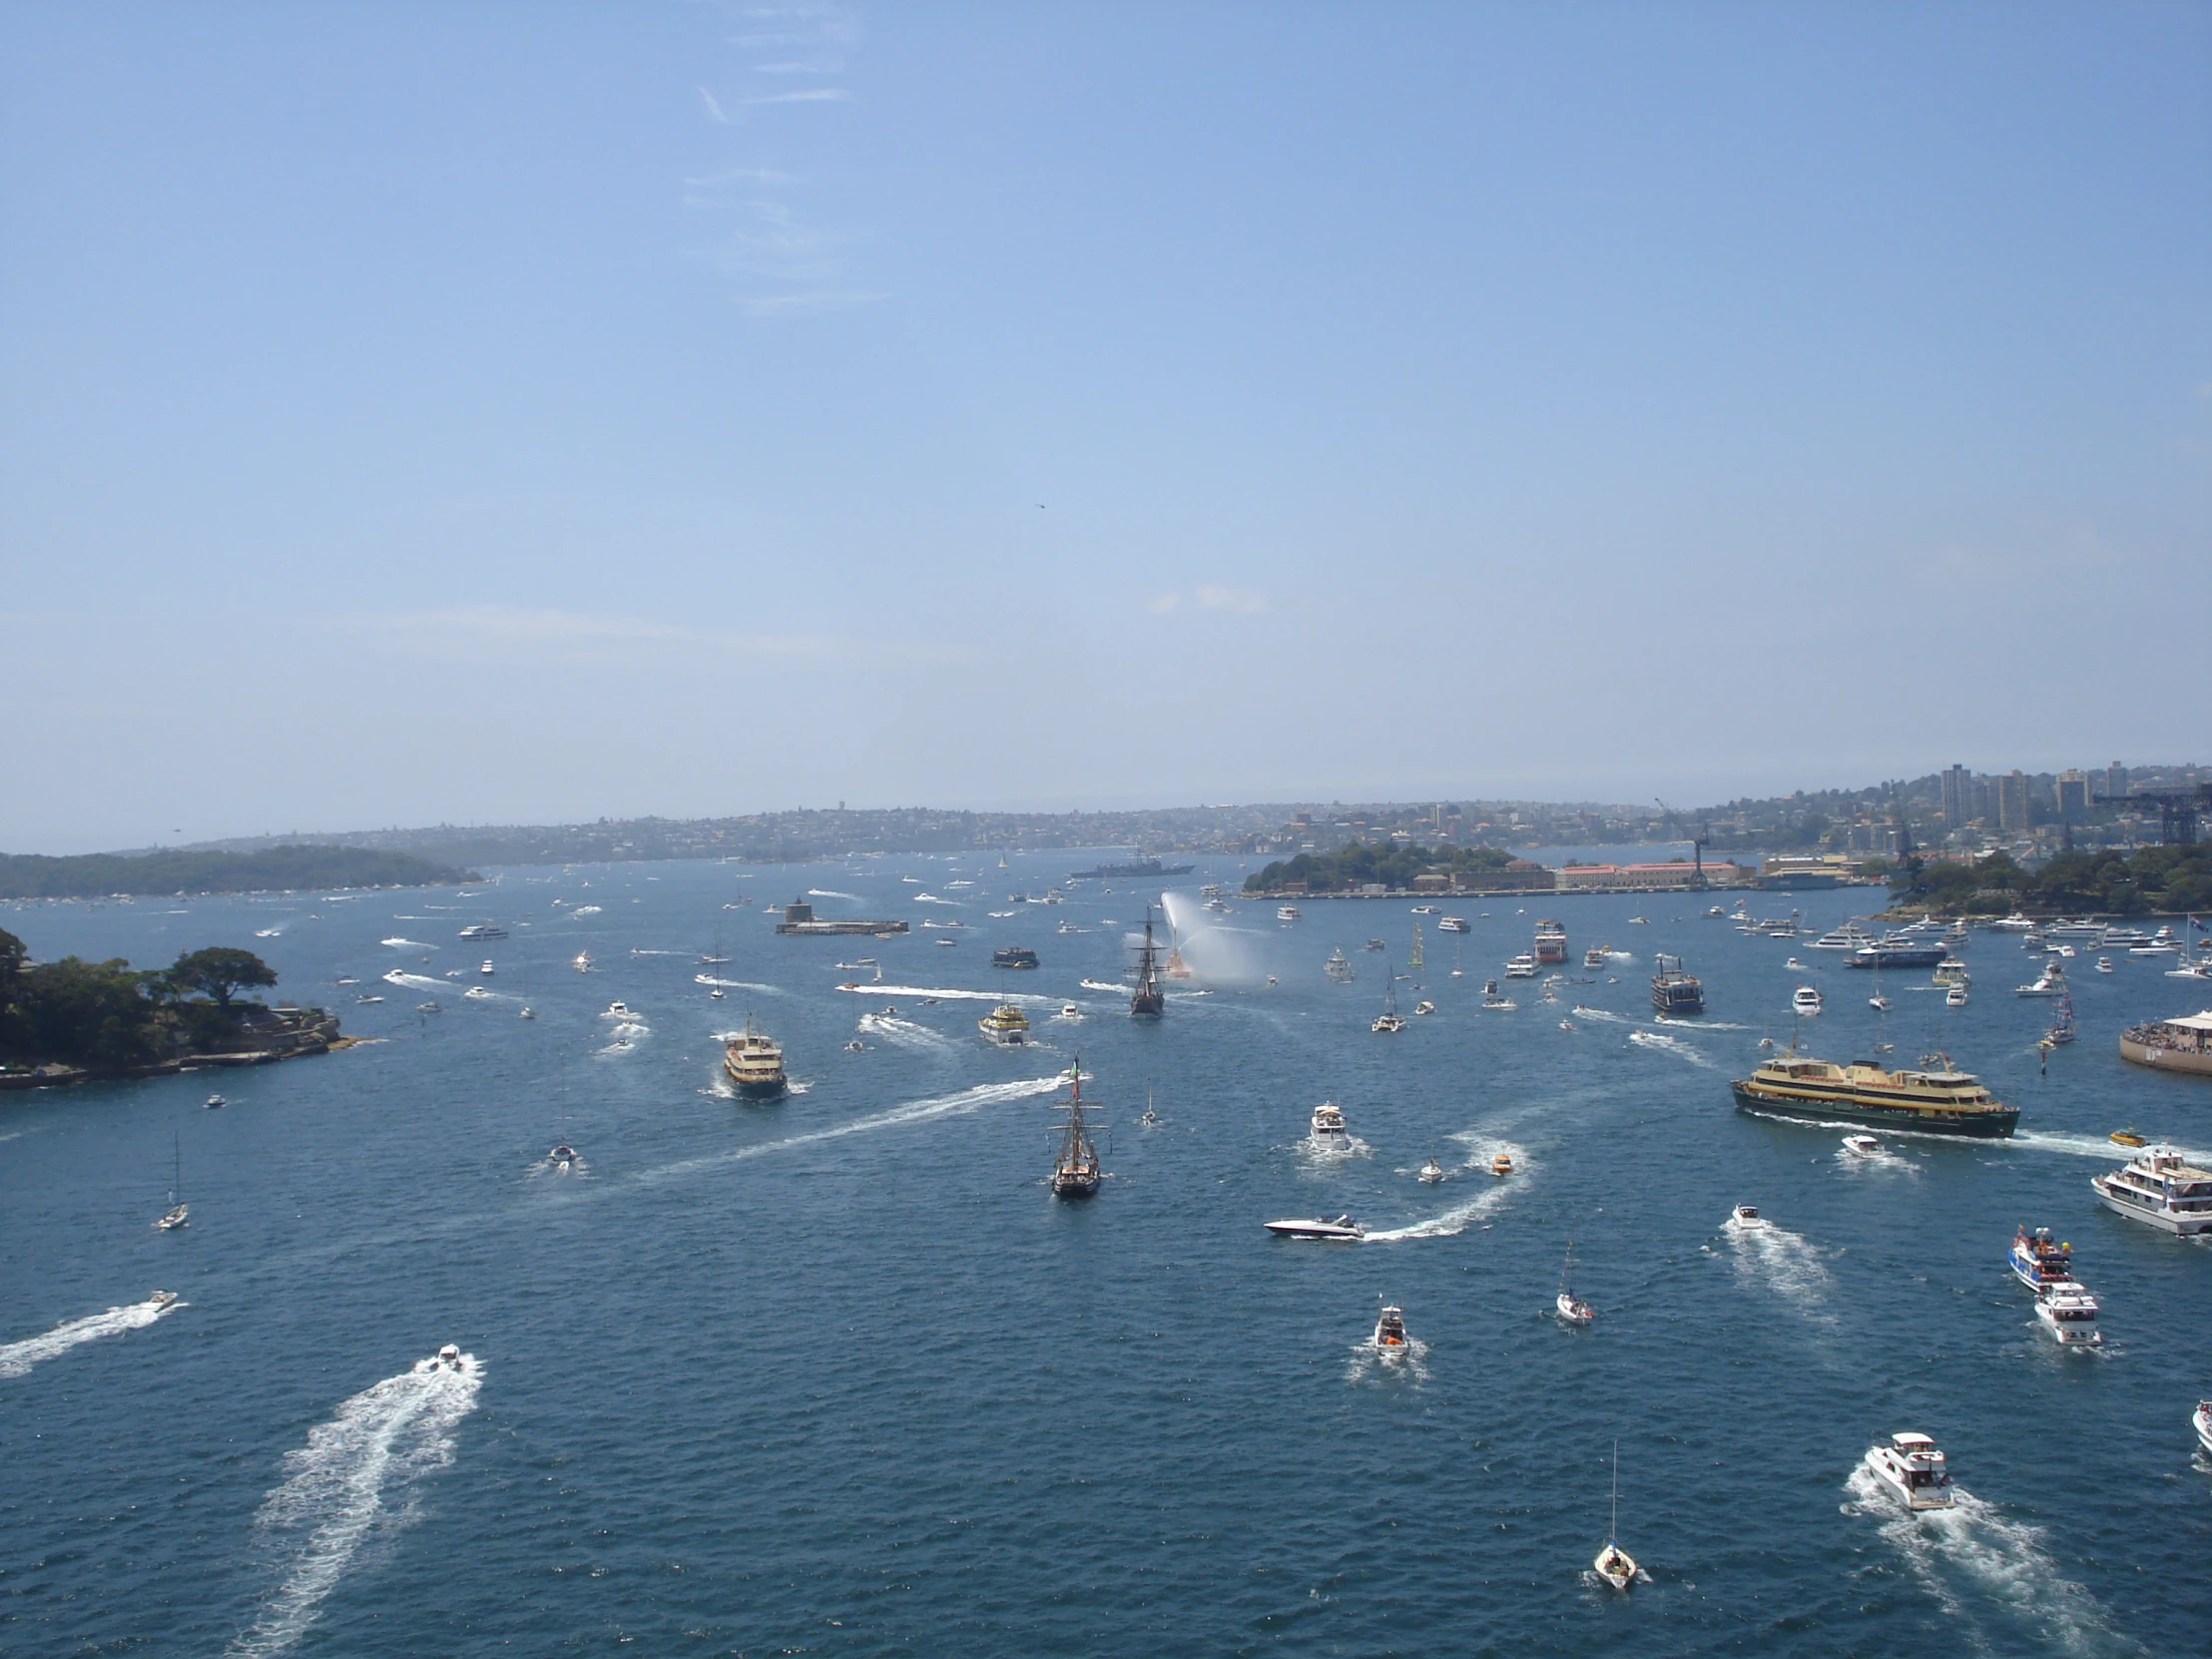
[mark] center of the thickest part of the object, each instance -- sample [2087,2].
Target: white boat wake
[2092,1146]
[419,982]
[736,985]
[18,1358]
[1671,1045]
[1785,1263]
[917,1111]
[1495,1190]
[905,1032]
[354,1485]
[1984,1571]
[1102,985]
[1022,999]
[824,892]
[409,944]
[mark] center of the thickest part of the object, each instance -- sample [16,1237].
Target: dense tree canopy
[219,972]
[75,1012]
[274,868]
[2106,882]
[1394,863]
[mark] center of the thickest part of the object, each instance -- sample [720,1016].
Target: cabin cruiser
[562,1157]
[1956,997]
[617,1010]
[1007,1025]
[1863,1146]
[1329,1228]
[2069,1312]
[162,1300]
[449,1358]
[2040,1261]
[1952,971]
[1431,1172]
[1424,1007]
[1452,924]
[488,970]
[2051,982]
[1911,1470]
[1850,936]
[2014,924]
[483,930]
[1329,1124]
[1491,998]
[1338,967]
[1501,1165]
[1285,913]
[1747,1216]
[215,1103]
[2202,1421]
[1069,1011]
[477,993]
[2161,1189]
[1522,967]
[1389,1334]
[1807,1000]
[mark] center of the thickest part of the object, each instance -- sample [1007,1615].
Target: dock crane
[1698,844]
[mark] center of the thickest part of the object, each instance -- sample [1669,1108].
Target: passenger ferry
[1913,1469]
[1674,991]
[1945,1102]
[1285,913]
[1452,924]
[1013,957]
[2039,1261]
[2160,1189]
[1005,1025]
[755,1064]
[1551,945]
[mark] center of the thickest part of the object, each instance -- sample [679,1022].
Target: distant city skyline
[522,415]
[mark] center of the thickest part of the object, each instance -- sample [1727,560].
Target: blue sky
[490,413]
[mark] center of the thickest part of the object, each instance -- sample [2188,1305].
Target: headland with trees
[2170,880]
[270,869]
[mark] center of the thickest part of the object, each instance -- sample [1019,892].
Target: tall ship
[755,1064]
[800,920]
[2159,1188]
[1675,990]
[1075,1171]
[1551,944]
[1933,1102]
[1146,998]
[2181,1044]
[1136,868]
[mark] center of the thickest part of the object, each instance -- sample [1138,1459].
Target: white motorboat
[1425,910]
[1329,1124]
[1070,1012]
[1614,1564]
[1431,1172]
[2014,924]
[529,1012]
[477,993]
[2051,982]
[215,1103]
[1911,1469]
[1956,997]
[1389,1334]
[1452,924]
[617,1010]
[1522,967]
[2161,1189]
[1338,967]
[488,970]
[1952,971]
[1493,998]
[1424,1007]
[1866,1146]
[1807,1000]
[583,961]
[2201,1420]
[1746,1217]
[1285,913]
[2069,1312]
[1850,936]
[449,1358]
[562,1157]
[1326,1228]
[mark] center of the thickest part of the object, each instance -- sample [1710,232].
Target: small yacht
[1807,1000]
[1956,997]
[1794,966]
[2161,1189]
[1070,1012]
[488,970]
[1747,1216]
[1865,1146]
[1493,998]
[1329,1124]
[1501,1165]
[617,1010]
[1285,913]
[1389,1334]
[1911,1469]
[1389,1022]
[2014,924]
[2069,1312]
[162,1300]
[2104,964]
[215,1103]
[1522,967]
[2201,1419]
[1452,924]
[1424,1007]
[1850,936]
[1338,967]
[2037,1260]
[1425,910]
[1329,1229]
[1614,1564]
[562,1157]
[449,1358]
[1005,1025]
[2051,982]
[477,993]
[1431,1172]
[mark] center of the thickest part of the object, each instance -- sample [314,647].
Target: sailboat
[1389,1021]
[1416,959]
[2062,1029]
[174,1218]
[717,959]
[1075,1173]
[1147,1000]
[1614,1564]
[1571,1308]
[1456,970]
[1878,1002]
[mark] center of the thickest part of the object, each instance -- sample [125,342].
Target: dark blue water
[836,1375]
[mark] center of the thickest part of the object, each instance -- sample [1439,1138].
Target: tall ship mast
[1075,1172]
[1147,1000]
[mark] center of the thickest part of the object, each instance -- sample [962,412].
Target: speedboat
[1389,1334]
[2069,1312]
[1866,1146]
[1911,1469]
[855,1046]
[1501,1165]
[1431,1172]
[1746,1217]
[1327,1229]
[2104,964]
[1425,910]
[2127,1137]
[163,1299]
[214,1102]
[477,993]
[449,1358]
[583,961]
[563,1156]
[1069,1010]
[2037,1260]
[1807,1000]
[617,1010]
[1329,1124]
[1424,1007]
[486,968]
[2202,1421]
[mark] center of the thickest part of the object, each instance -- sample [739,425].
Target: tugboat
[1674,991]
[1147,1000]
[755,1064]
[1913,1470]
[1005,1025]
[1389,1334]
[1075,1172]
[2037,1260]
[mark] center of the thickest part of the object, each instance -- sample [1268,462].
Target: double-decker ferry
[1675,990]
[1945,1102]
[1551,944]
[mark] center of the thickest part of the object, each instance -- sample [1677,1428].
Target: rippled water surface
[837,1375]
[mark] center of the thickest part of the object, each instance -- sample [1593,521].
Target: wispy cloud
[807,94]
[714,108]
[1208,596]
[506,633]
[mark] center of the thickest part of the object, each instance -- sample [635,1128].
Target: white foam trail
[417,981]
[1885,1162]
[905,1032]
[1496,1190]
[583,910]
[1784,1262]
[1671,1045]
[1366,1363]
[1587,1012]
[1972,1546]
[18,1358]
[1102,985]
[919,1111]
[2094,1146]
[932,898]
[736,985]
[354,1482]
[1020,998]
[824,892]
[409,944]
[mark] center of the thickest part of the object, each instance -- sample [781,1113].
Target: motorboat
[2201,1420]
[1522,967]
[161,1300]
[581,962]
[1431,1172]
[1807,1000]
[2014,924]
[617,1010]
[562,1157]
[1593,958]
[2051,982]
[1287,912]
[449,1358]
[2161,1189]
[1850,936]
[1911,1469]
[1329,1124]
[1424,1007]
[1956,997]
[1389,1334]
[1501,1165]
[477,993]
[1425,910]
[2037,1260]
[487,970]
[1338,967]
[2127,1137]
[529,1012]
[1493,998]
[1452,924]
[215,1103]
[1068,1010]
[2069,1312]
[1005,1025]
[1326,1229]
[855,1046]
[1863,1146]
[1952,971]
[1747,1217]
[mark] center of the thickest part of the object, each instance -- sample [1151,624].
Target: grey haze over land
[513,415]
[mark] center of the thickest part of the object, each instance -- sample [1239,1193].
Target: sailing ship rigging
[175,1216]
[1075,1171]
[1146,999]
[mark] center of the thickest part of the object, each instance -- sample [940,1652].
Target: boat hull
[1993,1125]
[2186,1225]
[2165,1059]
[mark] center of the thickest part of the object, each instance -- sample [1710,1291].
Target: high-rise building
[2073,797]
[2012,801]
[2115,780]
[1955,781]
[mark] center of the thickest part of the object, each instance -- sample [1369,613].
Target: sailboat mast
[1614,1530]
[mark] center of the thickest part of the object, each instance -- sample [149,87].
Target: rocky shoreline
[262,1038]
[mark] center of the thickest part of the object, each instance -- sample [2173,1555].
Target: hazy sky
[493,413]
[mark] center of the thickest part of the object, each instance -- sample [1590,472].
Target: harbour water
[836,1375]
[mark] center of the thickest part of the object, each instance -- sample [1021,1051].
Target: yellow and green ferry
[1930,1102]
